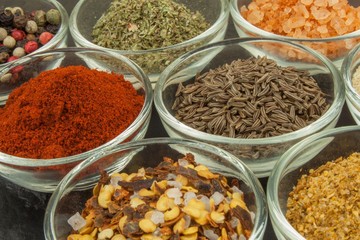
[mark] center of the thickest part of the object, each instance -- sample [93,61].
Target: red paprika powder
[67,111]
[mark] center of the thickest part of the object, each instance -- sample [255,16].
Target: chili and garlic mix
[325,203]
[174,200]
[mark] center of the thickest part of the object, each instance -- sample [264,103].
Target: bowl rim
[60,35]
[277,173]
[251,180]
[131,129]
[239,19]
[347,73]
[331,114]
[216,26]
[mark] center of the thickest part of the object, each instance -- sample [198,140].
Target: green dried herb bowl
[76,187]
[260,154]
[153,61]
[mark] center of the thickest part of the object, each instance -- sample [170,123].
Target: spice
[67,111]
[250,98]
[306,19]
[17,28]
[145,25]
[325,202]
[175,200]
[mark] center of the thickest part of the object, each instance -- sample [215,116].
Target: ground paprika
[67,111]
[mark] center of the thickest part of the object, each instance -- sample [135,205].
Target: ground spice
[356,80]
[325,203]
[174,200]
[67,111]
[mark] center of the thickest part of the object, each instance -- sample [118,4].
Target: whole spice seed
[66,111]
[325,202]
[17,28]
[250,98]
[175,200]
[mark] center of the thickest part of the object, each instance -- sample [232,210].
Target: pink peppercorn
[12,58]
[45,37]
[31,46]
[18,35]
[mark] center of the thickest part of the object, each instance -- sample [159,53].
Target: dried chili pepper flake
[144,204]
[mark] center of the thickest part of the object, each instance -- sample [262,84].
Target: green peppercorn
[53,17]
[3,34]
[17,11]
[40,18]
[31,26]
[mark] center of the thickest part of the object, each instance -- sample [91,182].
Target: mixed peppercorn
[23,32]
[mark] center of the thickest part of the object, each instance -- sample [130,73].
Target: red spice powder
[67,111]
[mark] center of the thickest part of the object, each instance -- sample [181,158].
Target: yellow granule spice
[325,203]
[303,18]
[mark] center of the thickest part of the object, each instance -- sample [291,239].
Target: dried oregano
[146,24]
[250,98]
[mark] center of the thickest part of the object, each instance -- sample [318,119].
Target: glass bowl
[308,154]
[348,69]
[260,154]
[44,175]
[60,38]
[335,48]
[86,13]
[71,194]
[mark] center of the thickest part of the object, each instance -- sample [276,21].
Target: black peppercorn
[52,28]
[6,18]
[20,21]
[21,43]
[5,49]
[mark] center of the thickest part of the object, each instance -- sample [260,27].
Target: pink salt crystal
[322,29]
[321,3]
[253,6]
[338,25]
[303,10]
[287,10]
[320,13]
[306,2]
[332,2]
[350,19]
[255,17]
[297,22]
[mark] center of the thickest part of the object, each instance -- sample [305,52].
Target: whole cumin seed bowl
[152,60]
[219,110]
[329,27]
[43,173]
[76,187]
[322,202]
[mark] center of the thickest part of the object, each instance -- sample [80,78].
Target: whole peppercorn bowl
[27,27]
[159,158]
[311,187]
[351,74]
[329,27]
[59,111]
[152,47]
[242,96]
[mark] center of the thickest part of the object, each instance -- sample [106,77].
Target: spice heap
[325,203]
[175,200]
[23,32]
[67,111]
[303,18]
[146,24]
[250,98]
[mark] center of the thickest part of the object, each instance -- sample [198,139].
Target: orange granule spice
[303,18]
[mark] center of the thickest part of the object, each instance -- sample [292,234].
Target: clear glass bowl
[259,154]
[76,187]
[308,154]
[335,48]
[86,13]
[60,38]
[44,175]
[349,66]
